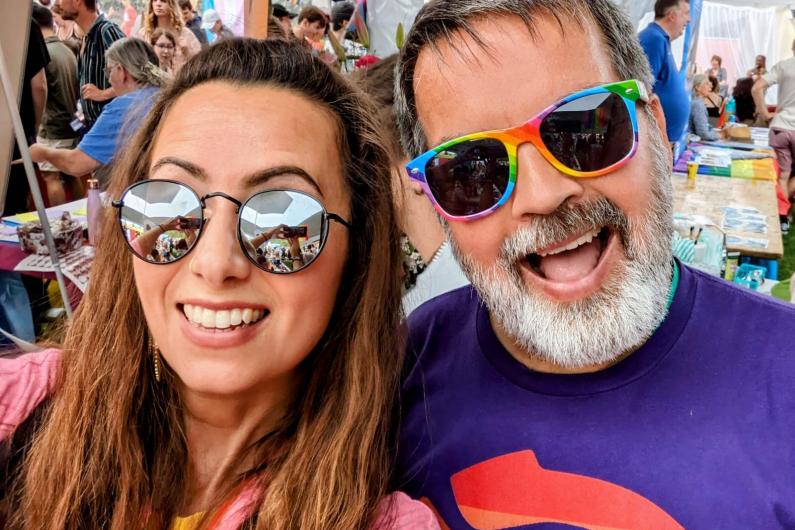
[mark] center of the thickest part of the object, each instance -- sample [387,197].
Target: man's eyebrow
[260,177]
[250,181]
[193,169]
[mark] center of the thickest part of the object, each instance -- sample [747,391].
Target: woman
[166,14]
[429,267]
[135,78]
[714,102]
[759,69]
[717,71]
[198,390]
[164,42]
[699,123]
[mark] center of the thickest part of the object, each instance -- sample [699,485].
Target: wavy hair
[112,447]
[139,59]
[150,20]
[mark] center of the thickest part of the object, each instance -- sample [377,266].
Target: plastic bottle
[731,111]
[94,211]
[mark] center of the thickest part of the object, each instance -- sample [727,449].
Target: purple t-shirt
[694,430]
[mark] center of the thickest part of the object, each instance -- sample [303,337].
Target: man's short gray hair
[443,19]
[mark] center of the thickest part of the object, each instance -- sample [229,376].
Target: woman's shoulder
[24,382]
[398,511]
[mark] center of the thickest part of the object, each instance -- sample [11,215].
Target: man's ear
[659,115]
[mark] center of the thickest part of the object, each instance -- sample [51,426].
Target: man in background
[312,24]
[193,21]
[671,17]
[284,17]
[211,21]
[62,93]
[100,33]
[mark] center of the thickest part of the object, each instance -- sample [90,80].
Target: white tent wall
[383,17]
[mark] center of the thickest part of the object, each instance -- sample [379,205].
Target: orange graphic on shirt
[514,490]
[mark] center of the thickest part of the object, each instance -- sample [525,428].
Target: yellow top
[186,523]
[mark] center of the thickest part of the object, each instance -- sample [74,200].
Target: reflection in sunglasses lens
[282,231]
[590,133]
[469,177]
[160,220]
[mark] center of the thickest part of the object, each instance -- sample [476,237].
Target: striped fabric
[91,63]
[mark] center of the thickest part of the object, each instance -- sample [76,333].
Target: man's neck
[86,19]
[666,27]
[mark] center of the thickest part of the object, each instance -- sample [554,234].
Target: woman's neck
[164,21]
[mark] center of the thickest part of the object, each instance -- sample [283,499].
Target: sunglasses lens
[282,231]
[469,177]
[160,220]
[590,133]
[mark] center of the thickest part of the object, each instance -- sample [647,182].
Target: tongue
[572,265]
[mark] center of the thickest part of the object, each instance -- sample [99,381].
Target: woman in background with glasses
[165,43]
[221,382]
[131,67]
[166,14]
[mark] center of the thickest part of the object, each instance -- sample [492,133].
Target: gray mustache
[568,219]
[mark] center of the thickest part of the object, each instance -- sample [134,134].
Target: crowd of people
[437,291]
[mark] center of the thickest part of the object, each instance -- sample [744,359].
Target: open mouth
[223,320]
[571,261]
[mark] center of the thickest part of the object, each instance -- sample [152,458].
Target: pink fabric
[24,382]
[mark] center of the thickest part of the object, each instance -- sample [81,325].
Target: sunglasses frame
[631,91]
[327,216]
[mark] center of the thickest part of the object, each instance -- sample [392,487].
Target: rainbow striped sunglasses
[586,134]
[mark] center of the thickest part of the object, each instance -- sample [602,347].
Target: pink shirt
[26,380]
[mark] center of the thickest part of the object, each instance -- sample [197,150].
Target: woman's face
[160,8]
[115,73]
[164,49]
[705,88]
[715,64]
[239,141]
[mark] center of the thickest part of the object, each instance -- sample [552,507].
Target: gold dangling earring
[155,351]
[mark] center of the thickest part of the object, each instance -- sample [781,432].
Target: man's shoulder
[449,307]
[651,33]
[109,31]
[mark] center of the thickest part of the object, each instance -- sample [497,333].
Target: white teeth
[235,317]
[222,319]
[587,238]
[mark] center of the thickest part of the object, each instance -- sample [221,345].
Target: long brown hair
[150,20]
[113,443]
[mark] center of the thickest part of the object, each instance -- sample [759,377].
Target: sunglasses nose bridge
[229,198]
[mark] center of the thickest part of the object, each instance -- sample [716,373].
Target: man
[782,128]
[284,17]
[586,379]
[192,21]
[341,15]
[62,93]
[671,17]
[312,23]
[95,90]
[212,21]
[129,16]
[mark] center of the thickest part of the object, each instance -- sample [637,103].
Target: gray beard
[614,321]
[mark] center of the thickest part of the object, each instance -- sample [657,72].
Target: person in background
[584,359]
[62,94]
[744,100]
[311,27]
[206,392]
[167,14]
[276,30]
[759,69]
[129,16]
[714,102]
[717,71]
[782,124]
[211,21]
[285,18]
[699,112]
[341,14]
[164,43]
[67,31]
[671,17]
[429,267]
[100,33]
[135,78]
[193,21]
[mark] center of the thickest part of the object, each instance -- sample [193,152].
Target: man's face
[680,18]
[69,9]
[187,14]
[573,308]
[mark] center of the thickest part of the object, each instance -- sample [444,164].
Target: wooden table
[713,193]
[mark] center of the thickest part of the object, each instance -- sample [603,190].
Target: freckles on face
[241,134]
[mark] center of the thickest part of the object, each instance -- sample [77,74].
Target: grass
[786,266]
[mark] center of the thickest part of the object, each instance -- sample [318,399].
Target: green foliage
[400,36]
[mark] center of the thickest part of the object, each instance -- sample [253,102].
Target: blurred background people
[759,69]
[341,15]
[717,71]
[311,27]
[699,113]
[211,21]
[135,79]
[285,18]
[62,93]
[167,14]
[129,16]
[66,30]
[193,21]
[164,43]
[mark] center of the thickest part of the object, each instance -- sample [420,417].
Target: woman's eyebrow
[251,180]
